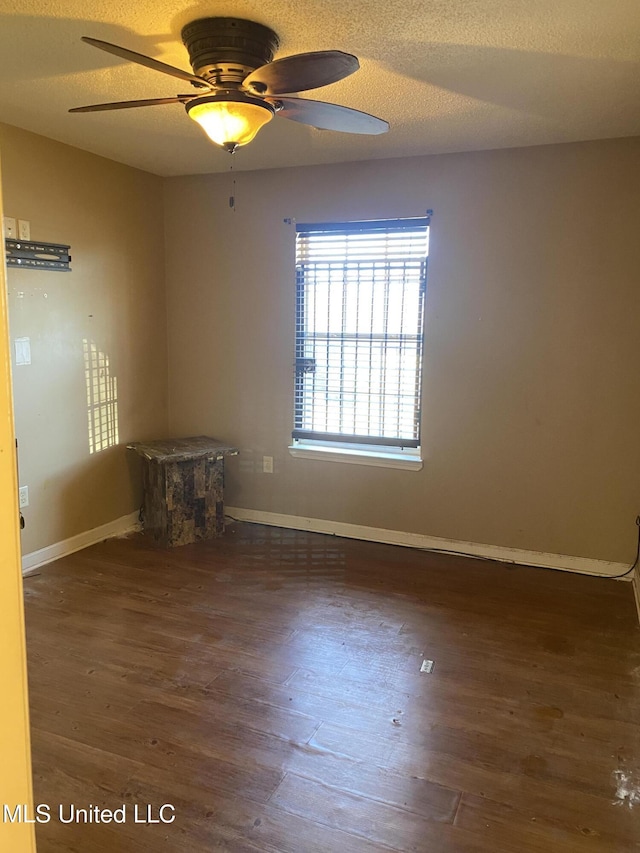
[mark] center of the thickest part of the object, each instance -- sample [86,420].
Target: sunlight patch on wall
[102,399]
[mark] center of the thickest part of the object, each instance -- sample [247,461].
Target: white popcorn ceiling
[449,75]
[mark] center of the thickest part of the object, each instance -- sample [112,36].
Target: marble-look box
[183,481]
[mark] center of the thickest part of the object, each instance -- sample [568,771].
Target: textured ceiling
[449,75]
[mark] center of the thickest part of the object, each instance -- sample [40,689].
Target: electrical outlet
[24,229]
[267,464]
[24,496]
[9,227]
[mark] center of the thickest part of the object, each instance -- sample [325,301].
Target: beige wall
[532,363]
[111,216]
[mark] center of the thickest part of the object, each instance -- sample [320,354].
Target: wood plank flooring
[267,686]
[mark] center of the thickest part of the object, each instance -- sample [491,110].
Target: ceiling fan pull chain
[232,197]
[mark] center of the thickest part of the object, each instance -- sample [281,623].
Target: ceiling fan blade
[326,116]
[125,105]
[301,72]
[147,61]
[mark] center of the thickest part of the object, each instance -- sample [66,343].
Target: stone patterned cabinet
[183,482]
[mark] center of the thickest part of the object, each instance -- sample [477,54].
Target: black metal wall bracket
[30,254]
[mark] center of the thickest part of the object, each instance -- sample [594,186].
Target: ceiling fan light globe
[230,122]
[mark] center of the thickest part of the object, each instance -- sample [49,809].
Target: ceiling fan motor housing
[226,50]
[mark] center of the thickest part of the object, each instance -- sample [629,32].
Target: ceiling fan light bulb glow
[230,122]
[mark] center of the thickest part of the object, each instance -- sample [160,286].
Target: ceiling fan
[240,87]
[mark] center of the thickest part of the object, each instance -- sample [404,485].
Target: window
[360,289]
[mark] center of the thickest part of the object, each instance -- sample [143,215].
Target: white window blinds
[360,289]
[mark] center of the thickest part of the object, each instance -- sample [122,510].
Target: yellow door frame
[15,750]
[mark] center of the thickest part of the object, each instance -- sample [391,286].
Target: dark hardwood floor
[267,685]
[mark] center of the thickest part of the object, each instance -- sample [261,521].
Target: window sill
[358,457]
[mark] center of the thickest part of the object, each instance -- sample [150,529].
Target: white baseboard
[118,527]
[540,559]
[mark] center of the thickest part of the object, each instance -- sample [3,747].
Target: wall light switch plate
[9,227]
[24,229]
[267,464]
[23,351]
